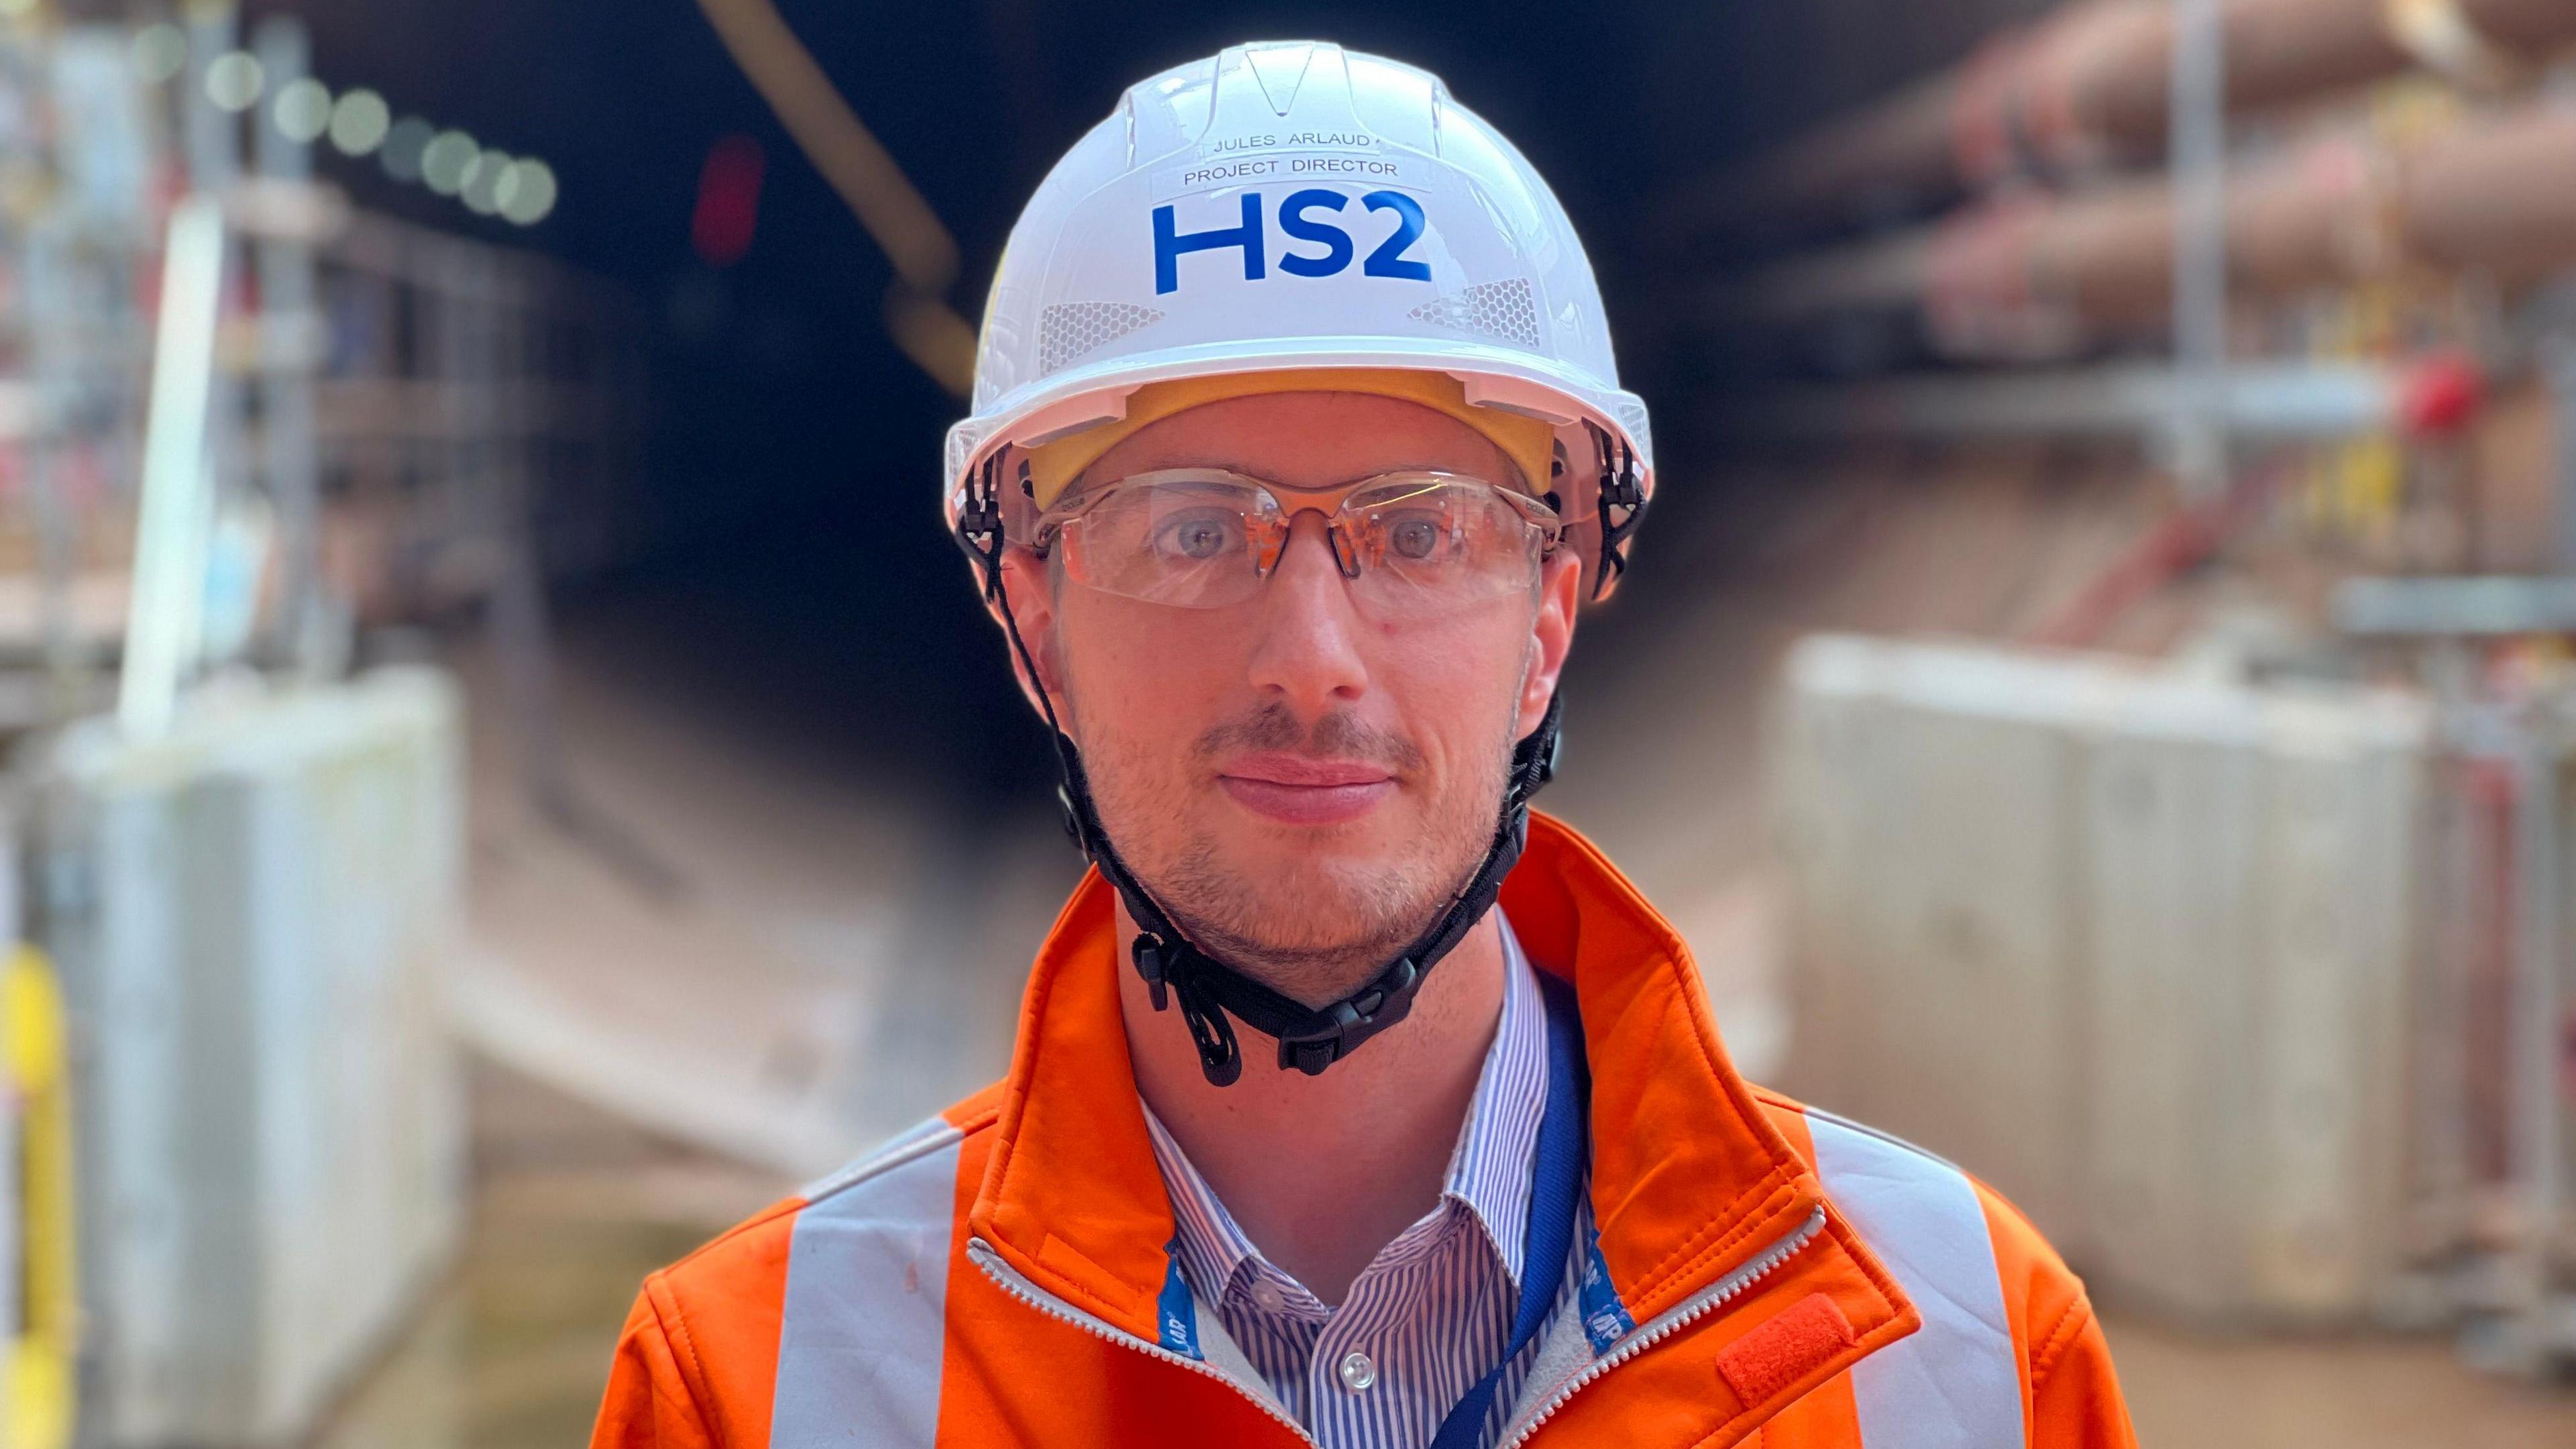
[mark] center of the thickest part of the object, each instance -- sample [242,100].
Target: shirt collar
[1489,1169]
[1211,1246]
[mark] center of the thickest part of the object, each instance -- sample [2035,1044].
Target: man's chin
[1316,917]
[1347,870]
[1307,909]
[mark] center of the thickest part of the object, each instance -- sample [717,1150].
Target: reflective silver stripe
[1956,1384]
[894,1150]
[860,1340]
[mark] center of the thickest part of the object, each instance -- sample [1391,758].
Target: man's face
[1302,783]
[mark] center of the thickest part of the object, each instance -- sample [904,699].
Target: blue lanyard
[1556,1183]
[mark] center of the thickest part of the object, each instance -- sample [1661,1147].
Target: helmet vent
[1504,311]
[1068,331]
[1632,416]
[1280,68]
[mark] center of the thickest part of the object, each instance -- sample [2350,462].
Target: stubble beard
[1320,927]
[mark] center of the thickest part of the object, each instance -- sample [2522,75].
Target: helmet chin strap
[1310,1038]
[1208,990]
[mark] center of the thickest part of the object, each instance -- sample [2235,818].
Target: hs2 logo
[1389,260]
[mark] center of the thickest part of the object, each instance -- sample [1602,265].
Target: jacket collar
[1690,1179]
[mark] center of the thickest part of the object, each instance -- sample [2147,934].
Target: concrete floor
[572,1207]
[2362,1392]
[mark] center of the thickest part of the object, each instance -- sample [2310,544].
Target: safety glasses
[1412,543]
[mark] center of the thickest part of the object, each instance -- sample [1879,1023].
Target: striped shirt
[1433,1311]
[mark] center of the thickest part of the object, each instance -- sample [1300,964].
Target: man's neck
[1322,1172]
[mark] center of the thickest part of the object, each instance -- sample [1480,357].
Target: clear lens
[1412,544]
[1427,544]
[1198,543]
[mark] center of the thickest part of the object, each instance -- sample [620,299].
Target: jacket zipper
[1647,1335]
[1674,1320]
[1011,1281]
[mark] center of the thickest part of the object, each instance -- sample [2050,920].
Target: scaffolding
[394,421]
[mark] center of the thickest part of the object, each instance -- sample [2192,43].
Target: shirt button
[1357,1371]
[1267,1297]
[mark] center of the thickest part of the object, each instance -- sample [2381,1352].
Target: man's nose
[1307,648]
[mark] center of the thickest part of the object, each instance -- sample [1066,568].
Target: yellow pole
[40,1362]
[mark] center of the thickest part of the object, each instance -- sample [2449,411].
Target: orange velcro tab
[1785,1350]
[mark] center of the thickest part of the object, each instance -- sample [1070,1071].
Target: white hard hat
[1290,206]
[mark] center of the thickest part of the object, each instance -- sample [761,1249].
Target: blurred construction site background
[506,775]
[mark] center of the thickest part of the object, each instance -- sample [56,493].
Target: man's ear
[1032,600]
[1560,592]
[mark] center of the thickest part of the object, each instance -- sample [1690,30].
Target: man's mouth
[1305,790]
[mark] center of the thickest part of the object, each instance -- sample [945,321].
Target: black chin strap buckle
[1623,487]
[979,526]
[1153,964]
[1168,972]
[1538,764]
[1220,1054]
[1072,819]
[1353,1020]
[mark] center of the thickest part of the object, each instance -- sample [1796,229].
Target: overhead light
[483,183]
[444,165]
[405,146]
[302,110]
[159,52]
[359,122]
[526,192]
[234,80]
[450,162]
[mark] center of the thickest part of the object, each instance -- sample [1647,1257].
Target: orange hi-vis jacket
[994,1276]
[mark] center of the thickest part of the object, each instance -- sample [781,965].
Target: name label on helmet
[1300,167]
[1299,222]
[1358,140]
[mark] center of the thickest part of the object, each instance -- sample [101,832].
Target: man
[1297,443]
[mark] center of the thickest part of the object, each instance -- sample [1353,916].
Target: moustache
[1340,735]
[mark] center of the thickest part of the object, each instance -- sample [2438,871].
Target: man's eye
[1204,536]
[1413,538]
